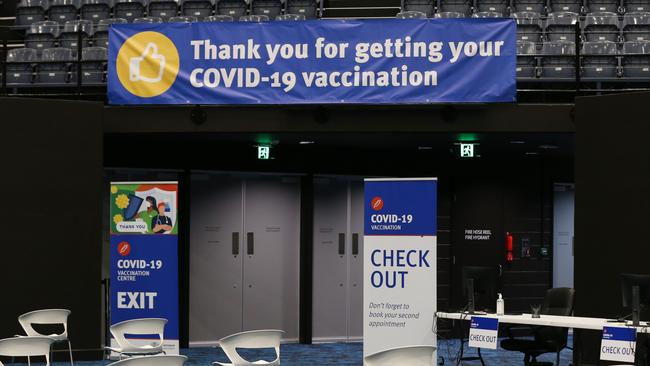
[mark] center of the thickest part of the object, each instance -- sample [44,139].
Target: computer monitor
[485,283]
[635,301]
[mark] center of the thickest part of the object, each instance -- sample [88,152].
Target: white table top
[548,320]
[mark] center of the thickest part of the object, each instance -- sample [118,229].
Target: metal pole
[4,66]
[78,63]
[578,46]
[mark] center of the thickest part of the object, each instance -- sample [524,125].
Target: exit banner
[144,256]
[399,291]
[369,61]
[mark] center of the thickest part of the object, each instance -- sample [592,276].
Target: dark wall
[50,222]
[612,204]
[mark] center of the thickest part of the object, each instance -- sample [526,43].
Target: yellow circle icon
[147,64]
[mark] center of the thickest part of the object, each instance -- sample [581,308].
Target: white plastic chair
[152,361]
[134,327]
[27,347]
[403,356]
[47,316]
[268,338]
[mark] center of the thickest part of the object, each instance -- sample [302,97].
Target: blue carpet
[344,354]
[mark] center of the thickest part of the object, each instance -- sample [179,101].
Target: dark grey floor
[344,354]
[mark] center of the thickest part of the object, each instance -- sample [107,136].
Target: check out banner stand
[483,332]
[399,263]
[618,344]
[144,257]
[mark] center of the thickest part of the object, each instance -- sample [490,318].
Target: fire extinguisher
[509,255]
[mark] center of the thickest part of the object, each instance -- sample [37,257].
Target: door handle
[235,243]
[355,244]
[250,243]
[341,243]
[500,270]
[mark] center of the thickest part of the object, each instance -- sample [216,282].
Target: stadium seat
[449,15]
[69,37]
[487,14]
[30,11]
[599,60]
[20,66]
[601,27]
[498,6]
[62,10]
[218,18]
[290,17]
[561,26]
[183,19]
[42,35]
[529,26]
[163,9]
[636,26]
[460,6]
[95,10]
[636,5]
[148,20]
[311,9]
[526,60]
[234,8]
[93,67]
[197,8]
[129,9]
[535,6]
[428,7]
[411,14]
[636,59]
[610,6]
[270,8]
[558,60]
[100,36]
[571,6]
[55,66]
[254,18]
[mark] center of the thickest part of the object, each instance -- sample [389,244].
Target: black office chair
[558,301]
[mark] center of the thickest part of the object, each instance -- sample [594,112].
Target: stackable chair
[134,327]
[46,317]
[152,361]
[27,347]
[269,338]
[558,301]
[403,356]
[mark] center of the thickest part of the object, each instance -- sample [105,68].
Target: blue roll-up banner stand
[399,263]
[144,258]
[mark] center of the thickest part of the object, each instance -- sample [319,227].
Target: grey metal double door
[338,259]
[244,255]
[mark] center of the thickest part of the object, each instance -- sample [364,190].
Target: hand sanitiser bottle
[500,305]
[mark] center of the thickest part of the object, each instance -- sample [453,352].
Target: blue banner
[378,61]
[396,207]
[144,256]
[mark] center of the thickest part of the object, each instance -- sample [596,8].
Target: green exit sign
[264,152]
[467,150]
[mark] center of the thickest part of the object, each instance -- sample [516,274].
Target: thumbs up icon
[152,60]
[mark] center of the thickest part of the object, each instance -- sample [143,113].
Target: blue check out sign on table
[483,332]
[618,344]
